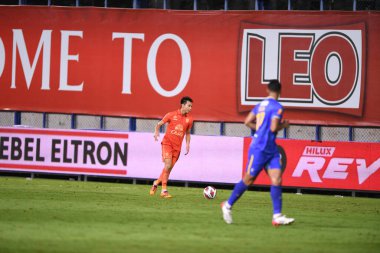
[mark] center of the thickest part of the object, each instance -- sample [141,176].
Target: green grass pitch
[42,215]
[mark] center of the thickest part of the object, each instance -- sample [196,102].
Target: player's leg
[156,183]
[239,189]
[237,192]
[165,177]
[254,167]
[171,157]
[159,180]
[169,164]
[166,156]
[275,175]
[276,190]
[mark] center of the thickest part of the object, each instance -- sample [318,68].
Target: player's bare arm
[276,125]
[250,121]
[187,142]
[157,130]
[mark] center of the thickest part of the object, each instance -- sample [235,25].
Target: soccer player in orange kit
[179,125]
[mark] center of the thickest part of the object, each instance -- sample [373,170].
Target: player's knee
[248,179]
[168,165]
[276,181]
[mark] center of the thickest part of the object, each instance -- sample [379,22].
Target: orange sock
[165,178]
[159,180]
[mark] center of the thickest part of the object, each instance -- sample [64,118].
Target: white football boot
[282,220]
[227,213]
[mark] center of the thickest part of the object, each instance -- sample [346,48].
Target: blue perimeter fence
[78,121]
[349,5]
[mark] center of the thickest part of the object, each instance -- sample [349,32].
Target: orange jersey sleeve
[168,117]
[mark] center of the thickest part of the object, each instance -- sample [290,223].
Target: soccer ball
[209,192]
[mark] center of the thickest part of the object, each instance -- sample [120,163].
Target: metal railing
[213,4]
[78,121]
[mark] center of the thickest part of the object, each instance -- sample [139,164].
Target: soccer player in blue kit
[265,119]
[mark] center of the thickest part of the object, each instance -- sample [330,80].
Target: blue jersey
[264,139]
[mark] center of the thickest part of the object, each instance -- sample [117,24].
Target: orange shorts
[169,153]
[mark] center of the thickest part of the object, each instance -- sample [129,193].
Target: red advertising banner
[328,165]
[140,63]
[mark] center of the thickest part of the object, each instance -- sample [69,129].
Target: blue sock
[276,195]
[239,189]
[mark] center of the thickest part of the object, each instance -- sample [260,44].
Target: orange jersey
[176,129]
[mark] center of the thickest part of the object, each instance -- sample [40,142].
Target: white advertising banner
[211,159]
[134,155]
[62,151]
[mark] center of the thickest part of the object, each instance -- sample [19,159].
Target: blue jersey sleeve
[255,109]
[277,113]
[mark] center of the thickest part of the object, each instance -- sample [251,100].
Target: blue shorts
[258,160]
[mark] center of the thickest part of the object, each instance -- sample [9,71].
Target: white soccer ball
[209,192]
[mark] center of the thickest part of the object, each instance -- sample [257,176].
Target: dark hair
[274,85]
[185,99]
